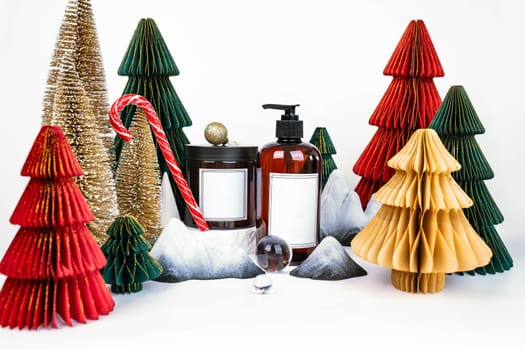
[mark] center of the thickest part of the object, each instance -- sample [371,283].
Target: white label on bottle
[258,197]
[292,210]
[223,194]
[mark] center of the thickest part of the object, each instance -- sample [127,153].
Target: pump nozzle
[289,110]
[289,127]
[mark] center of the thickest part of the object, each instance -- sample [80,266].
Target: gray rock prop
[341,215]
[188,254]
[330,262]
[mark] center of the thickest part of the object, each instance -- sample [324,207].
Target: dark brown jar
[222,179]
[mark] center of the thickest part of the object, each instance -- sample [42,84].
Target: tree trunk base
[414,282]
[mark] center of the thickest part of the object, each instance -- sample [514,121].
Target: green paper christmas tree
[128,261]
[149,65]
[457,123]
[321,139]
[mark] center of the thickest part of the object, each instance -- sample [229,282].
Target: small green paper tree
[128,260]
[457,123]
[321,139]
[149,65]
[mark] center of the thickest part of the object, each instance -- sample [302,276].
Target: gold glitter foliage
[78,35]
[138,178]
[73,113]
[76,100]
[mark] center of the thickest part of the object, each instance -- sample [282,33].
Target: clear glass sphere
[273,253]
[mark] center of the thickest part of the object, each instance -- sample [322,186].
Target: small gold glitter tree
[138,178]
[420,231]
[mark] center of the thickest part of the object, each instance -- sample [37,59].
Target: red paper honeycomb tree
[409,103]
[53,263]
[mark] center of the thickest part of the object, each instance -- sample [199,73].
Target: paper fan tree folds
[321,139]
[129,263]
[420,231]
[149,65]
[457,123]
[409,103]
[76,100]
[53,263]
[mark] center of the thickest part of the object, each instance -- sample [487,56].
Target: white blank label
[293,208]
[223,194]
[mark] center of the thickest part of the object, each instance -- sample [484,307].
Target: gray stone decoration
[330,262]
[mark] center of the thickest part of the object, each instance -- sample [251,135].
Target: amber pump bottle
[289,186]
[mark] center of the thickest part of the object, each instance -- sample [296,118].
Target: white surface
[365,312]
[328,56]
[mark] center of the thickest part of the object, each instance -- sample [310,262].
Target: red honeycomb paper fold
[366,188]
[51,204]
[38,253]
[51,156]
[31,303]
[407,104]
[53,263]
[372,163]
[414,55]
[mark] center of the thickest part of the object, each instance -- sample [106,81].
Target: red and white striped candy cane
[158,131]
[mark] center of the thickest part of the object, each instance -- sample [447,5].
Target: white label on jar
[292,210]
[223,194]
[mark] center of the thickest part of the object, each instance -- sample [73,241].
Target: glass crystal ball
[273,253]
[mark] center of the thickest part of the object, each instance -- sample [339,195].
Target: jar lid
[221,152]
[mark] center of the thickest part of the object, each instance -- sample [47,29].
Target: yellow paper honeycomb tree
[420,231]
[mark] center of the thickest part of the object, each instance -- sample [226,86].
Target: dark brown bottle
[289,186]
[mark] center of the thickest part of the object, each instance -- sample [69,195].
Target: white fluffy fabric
[341,211]
[191,254]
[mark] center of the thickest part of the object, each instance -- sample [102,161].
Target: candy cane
[145,105]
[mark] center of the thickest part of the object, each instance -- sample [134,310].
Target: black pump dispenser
[289,127]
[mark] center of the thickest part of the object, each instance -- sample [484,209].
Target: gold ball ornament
[216,133]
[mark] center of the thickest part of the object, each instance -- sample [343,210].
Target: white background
[328,56]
